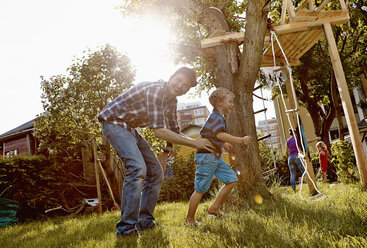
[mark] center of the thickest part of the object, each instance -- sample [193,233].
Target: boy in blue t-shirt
[211,164]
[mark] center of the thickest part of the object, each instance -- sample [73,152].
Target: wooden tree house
[297,32]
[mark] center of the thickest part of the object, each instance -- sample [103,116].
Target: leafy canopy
[72,102]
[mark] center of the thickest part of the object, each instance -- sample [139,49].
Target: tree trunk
[240,77]
[326,124]
[337,106]
[238,73]
[253,45]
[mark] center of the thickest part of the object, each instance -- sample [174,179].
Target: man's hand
[203,143]
[227,147]
[247,140]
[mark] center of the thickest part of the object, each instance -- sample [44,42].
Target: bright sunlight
[147,42]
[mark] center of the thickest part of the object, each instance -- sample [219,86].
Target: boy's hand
[227,147]
[247,140]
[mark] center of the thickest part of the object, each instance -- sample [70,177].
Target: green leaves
[344,160]
[155,143]
[72,102]
[35,181]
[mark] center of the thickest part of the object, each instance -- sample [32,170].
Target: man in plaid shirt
[153,105]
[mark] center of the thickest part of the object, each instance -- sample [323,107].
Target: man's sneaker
[133,234]
[151,226]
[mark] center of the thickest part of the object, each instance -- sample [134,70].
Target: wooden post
[290,9]
[291,93]
[97,176]
[310,5]
[284,8]
[108,185]
[347,104]
[311,176]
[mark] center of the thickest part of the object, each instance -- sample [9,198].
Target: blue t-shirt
[213,125]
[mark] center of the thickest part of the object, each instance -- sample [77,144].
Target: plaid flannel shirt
[144,105]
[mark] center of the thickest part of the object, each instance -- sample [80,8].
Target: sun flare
[147,42]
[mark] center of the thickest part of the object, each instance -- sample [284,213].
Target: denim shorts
[207,166]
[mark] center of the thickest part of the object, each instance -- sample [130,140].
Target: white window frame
[200,121]
[198,111]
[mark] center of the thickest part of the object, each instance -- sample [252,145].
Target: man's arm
[181,139]
[226,137]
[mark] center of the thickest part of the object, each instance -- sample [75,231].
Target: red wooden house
[18,141]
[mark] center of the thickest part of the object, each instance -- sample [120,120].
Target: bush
[34,181]
[268,157]
[344,161]
[180,185]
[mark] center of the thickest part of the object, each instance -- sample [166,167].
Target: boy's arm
[226,137]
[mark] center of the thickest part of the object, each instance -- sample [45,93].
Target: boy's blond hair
[322,144]
[219,94]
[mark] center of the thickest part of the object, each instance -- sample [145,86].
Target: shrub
[34,181]
[268,158]
[344,161]
[180,185]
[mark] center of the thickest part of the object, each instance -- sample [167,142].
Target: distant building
[270,127]
[18,141]
[191,114]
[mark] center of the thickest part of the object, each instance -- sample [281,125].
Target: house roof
[26,127]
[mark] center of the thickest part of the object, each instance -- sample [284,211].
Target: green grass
[339,220]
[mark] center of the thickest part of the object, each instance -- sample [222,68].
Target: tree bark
[337,106]
[240,77]
[238,73]
[253,45]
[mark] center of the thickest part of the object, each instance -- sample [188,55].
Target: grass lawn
[339,220]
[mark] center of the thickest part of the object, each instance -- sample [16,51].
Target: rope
[300,154]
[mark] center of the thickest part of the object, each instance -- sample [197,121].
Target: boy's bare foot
[192,223]
[217,214]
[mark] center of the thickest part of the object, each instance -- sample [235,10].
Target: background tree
[72,102]
[228,66]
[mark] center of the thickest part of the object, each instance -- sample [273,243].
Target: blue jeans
[294,160]
[142,183]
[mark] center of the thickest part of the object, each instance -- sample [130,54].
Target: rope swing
[277,71]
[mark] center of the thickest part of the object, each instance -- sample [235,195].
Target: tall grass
[339,220]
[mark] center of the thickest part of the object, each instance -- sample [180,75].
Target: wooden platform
[294,46]
[296,37]
[300,34]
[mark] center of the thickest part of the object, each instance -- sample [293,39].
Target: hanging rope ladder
[294,110]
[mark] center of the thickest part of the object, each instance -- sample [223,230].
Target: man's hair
[189,73]
[219,94]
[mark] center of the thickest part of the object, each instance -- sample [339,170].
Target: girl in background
[321,147]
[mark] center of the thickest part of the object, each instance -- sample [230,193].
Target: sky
[42,37]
